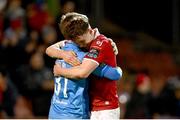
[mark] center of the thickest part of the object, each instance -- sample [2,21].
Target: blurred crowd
[28,27]
[150,86]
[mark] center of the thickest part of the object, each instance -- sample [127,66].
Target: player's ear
[90,30]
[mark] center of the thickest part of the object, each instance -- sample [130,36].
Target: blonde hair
[73,25]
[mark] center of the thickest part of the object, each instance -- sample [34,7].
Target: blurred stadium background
[145,31]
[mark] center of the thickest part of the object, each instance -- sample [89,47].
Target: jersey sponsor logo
[93,53]
[60,102]
[102,65]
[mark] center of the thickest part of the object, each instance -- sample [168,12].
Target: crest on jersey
[93,53]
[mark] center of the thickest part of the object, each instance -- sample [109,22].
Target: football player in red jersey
[103,92]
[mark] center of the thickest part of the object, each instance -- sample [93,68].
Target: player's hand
[71,58]
[114,46]
[119,71]
[57,70]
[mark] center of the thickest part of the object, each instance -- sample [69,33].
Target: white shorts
[112,114]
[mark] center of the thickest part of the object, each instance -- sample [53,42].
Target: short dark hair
[73,25]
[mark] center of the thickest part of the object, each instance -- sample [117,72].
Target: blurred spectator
[137,106]
[66,6]
[49,37]
[162,102]
[10,99]
[15,14]
[2,4]
[22,109]
[32,43]
[36,84]
[11,38]
[15,11]
[38,16]
[174,83]
[11,51]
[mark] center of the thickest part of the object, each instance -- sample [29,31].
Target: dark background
[151,16]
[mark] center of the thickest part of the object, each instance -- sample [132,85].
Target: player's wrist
[62,54]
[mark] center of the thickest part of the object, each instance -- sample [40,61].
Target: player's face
[85,39]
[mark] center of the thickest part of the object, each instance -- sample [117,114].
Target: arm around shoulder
[54,50]
[78,72]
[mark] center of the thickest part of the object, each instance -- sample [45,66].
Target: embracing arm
[55,51]
[77,72]
[112,73]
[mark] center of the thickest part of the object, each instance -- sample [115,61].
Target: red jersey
[103,92]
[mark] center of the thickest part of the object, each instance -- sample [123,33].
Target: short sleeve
[98,51]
